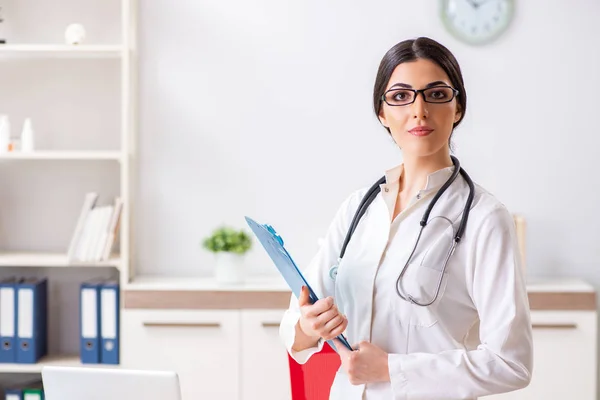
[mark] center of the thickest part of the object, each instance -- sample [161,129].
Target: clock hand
[473,3]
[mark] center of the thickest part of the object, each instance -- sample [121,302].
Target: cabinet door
[201,346]
[265,369]
[564,366]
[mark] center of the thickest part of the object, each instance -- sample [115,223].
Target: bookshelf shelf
[34,259]
[55,360]
[60,51]
[63,155]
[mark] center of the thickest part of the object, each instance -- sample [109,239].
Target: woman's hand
[366,364]
[321,319]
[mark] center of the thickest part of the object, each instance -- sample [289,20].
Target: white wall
[263,108]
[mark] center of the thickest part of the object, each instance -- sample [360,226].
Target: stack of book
[96,230]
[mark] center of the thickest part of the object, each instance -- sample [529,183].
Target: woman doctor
[421,325]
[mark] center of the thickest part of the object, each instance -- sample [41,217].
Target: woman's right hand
[321,319]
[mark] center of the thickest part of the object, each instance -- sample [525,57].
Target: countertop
[271,292]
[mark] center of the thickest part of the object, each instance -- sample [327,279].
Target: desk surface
[271,292]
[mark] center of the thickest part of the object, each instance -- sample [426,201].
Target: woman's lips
[420,131]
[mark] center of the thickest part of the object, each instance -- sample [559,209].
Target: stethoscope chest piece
[333,271]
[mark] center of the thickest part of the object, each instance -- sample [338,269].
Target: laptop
[100,383]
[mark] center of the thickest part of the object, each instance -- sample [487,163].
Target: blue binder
[13,394]
[89,321]
[110,322]
[273,244]
[32,322]
[8,320]
[18,390]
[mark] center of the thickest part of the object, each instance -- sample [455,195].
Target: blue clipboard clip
[274,245]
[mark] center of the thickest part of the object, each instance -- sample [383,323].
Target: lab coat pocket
[424,285]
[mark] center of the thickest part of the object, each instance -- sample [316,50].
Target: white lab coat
[476,338]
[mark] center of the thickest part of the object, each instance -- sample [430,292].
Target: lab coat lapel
[356,273]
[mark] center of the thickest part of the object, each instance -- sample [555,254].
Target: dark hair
[411,50]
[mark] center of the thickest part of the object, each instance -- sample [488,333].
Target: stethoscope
[368,199]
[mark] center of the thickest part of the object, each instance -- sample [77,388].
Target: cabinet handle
[182,324]
[554,326]
[270,324]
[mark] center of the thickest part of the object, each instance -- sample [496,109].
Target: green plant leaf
[228,239]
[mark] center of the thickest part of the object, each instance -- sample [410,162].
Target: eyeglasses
[404,97]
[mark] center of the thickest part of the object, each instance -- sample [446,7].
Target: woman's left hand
[366,364]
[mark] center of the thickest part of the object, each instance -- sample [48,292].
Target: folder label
[25,320]
[109,318]
[89,325]
[12,397]
[32,396]
[7,312]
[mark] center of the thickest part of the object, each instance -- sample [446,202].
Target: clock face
[476,21]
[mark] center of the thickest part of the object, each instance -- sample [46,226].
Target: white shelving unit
[59,361]
[50,51]
[64,155]
[50,260]
[124,52]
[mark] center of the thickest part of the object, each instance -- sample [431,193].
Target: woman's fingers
[314,310]
[337,330]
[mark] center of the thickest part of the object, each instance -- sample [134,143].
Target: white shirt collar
[434,180]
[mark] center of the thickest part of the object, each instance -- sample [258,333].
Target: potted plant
[229,246]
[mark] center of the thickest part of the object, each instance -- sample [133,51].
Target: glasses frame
[422,92]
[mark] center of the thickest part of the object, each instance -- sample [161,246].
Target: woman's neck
[417,169]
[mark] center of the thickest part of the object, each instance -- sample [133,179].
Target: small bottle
[4,134]
[27,137]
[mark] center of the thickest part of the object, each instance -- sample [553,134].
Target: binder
[35,393]
[89,321]
[8,320]
[17,391]
[13,394]
[109,322]
[32,321]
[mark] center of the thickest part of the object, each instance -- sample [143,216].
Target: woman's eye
[439,95]
[401,96]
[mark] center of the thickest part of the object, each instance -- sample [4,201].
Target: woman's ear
[458,115]
[382,118]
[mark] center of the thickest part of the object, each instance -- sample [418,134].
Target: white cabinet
[564,357]
[265,368]
[225,355]
[201,346]
[238,355]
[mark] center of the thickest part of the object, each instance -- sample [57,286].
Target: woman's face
[422,128]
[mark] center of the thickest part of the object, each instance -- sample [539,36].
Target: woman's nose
[419,107]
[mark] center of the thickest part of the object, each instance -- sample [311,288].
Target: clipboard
[273,244]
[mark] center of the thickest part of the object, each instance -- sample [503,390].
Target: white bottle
[27,137]
[4,134]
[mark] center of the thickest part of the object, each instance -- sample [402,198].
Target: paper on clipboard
[273,244]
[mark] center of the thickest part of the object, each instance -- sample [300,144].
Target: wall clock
[477,22]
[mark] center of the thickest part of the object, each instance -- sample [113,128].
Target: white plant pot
[229,267]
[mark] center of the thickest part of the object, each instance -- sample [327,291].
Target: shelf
[60,51]
[50,260]
[63,155]
[55,360]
